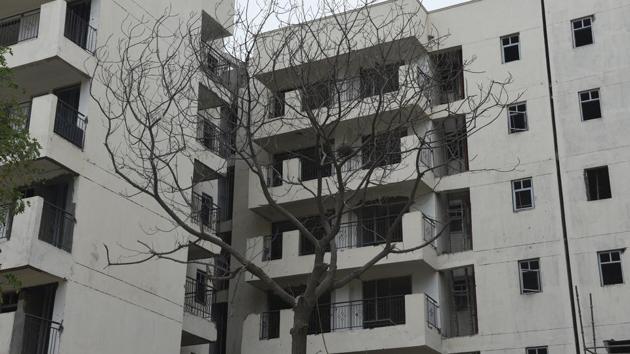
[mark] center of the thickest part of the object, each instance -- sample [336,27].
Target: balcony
[197,327]
[416,230]
[288,184]
[36,246]
[52,47]
[61,132]
[381,324]
[405,92]
[29,334]
[211,136]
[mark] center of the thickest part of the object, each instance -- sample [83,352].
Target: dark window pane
[530,282]
[615,256]
[612,274]
[523,200]
[511,53]
[591,110]
[583,36]
[604,257]
[598,183]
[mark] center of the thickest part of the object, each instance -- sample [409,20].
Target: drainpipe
[559,177]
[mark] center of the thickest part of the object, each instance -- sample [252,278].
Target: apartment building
[69,300]
[532,206]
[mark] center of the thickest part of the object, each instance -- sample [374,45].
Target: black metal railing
[222,272]
[57,227]
[367,232]
[204,212]
[79,31]
[269,325]
[41,335]
[218,67]
[432,313]
[429,230]
[368,313]
[198,298]
[359,314]
[70,124]
[19,28]
[211,136]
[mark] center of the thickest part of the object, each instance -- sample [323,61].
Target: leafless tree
[360,98]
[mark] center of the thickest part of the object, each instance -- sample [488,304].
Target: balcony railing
[432,313]
[79,31]
[218,67]
[198,298]
[368,232]
[350,315]
[269,325]
[19,28]
[57,227]
[70,124]
[41,336]
[211,136]
[368,313]
[204,212]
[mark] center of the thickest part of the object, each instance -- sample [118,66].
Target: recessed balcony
[355,246]
[61,132]
[410,322]
[292,182]
[51,47]
[36,243]
[197,327]
[403,91]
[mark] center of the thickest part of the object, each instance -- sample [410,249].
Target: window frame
[591,99]
[573,29]
[201,283]
[514,191]
[535,350]
[511,129]
[620,261]
[521,272]
[587,183]
[504,46]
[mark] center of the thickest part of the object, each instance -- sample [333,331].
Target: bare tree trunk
[301,315]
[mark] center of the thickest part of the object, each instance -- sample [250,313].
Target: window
[590,105]
[206,209]
[582,31]
[536,350]
[523,194]
[379,80]
[511,48]
[384,301]
[201,282]
[597,183]
[617,346]
[272,247]
[316,95]
[276,104]
[530,276]
[315,162]
[382,149]
[449,74]
[517,117]
[610,267]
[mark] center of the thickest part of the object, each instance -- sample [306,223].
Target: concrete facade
[91,308]
[508,320]
[70,301]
